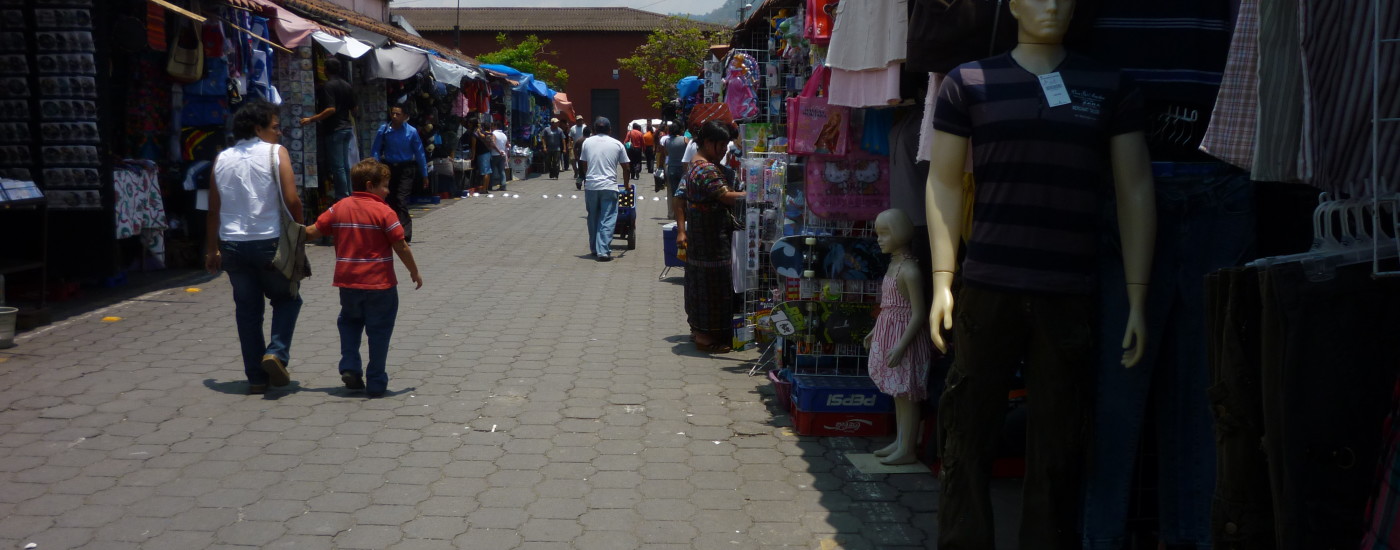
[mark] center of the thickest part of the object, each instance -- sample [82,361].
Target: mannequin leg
[906,414]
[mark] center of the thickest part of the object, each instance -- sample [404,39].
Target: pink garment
[908,379]
[877,88]
[460,106]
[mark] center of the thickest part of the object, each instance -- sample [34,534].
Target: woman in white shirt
[243,226]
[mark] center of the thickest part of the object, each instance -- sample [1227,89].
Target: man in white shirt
[576,142]
[499,162]
[603,157]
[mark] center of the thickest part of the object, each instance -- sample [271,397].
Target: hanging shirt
[402,144]
[1041,171]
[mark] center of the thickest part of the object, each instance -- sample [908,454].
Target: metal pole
[457,29]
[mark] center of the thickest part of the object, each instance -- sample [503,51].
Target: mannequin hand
[895,355]
[868,339]
[941,313]
[213,262]
[1134,338]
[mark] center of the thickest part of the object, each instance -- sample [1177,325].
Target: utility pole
[457,29]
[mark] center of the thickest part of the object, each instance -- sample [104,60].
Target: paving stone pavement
[537,400]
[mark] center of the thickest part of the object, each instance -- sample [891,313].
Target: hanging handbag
[814,126]
[290,259]
[186,61]
[853,187]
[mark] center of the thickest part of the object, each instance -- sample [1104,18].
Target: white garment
[248,197]
[576,133]
[604,154]
[502,142]
[868,34]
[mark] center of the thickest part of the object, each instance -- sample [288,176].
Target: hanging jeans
[1205,222]
[250,271]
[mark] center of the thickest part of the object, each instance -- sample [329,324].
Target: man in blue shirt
[397,144]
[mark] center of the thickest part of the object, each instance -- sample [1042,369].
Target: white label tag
[1054,87]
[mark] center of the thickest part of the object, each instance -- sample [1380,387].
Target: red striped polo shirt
[365,229]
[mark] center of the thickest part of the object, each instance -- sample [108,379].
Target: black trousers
[1326,363]
[1050,338]
[551,161]
[403,177]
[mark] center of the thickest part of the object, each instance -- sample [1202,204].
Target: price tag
[1054,87]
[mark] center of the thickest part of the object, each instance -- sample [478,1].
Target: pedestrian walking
[337,103]
[553,138]
[673,148]
[603,159]
[367,235]
[649,148]
[253,182]
[577,133]
[398,145]
[634,149]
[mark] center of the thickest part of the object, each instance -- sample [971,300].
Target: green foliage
[528,56]
[672,52]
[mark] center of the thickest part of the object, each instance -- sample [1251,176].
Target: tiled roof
[537,19]
[329,11]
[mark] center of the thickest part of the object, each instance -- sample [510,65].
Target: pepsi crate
[846,394]
[853,424]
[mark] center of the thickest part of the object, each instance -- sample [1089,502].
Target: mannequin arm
[911,285]
[1137,223]
[943,206]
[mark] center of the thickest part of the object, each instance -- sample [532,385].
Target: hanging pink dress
[909,378]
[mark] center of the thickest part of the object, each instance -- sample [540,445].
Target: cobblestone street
[538,399]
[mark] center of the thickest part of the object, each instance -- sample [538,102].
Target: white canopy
[350,46]
[450,73]
[398,62]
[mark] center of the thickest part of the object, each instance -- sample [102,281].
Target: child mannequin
[900,348]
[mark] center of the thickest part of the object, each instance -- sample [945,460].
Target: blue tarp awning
[688,86]
[528,82]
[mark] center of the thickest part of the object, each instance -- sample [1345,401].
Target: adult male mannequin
[1046,128]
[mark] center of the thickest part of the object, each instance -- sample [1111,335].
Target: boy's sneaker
[352,381]
[277,374]
[257,389]
[374,394]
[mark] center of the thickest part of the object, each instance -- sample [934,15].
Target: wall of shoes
[16,115]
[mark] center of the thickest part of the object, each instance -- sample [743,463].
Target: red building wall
[589,57]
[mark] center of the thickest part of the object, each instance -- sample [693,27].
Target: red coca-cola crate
[860,424]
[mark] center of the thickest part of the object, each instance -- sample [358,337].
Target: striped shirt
[1041,171]
[365,229]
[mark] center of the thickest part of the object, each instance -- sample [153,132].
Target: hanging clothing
[868,35]
[138,206]
[1230,136]
[879,88]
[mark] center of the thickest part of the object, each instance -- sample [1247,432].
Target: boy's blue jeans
[250,271]
[371,312]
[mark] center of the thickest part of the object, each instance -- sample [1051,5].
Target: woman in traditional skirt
[705,233]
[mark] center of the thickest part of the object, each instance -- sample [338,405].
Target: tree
[674,51]
[528,57]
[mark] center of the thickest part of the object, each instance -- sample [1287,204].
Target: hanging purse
[290,259]
[814,126]
[853,187]
[186,62]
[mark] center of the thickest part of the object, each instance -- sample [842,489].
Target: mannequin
[1039,123]
[899,347]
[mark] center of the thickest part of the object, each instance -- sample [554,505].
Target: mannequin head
[1042,21]
[893,230]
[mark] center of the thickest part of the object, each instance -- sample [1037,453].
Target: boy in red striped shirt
[365,231]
